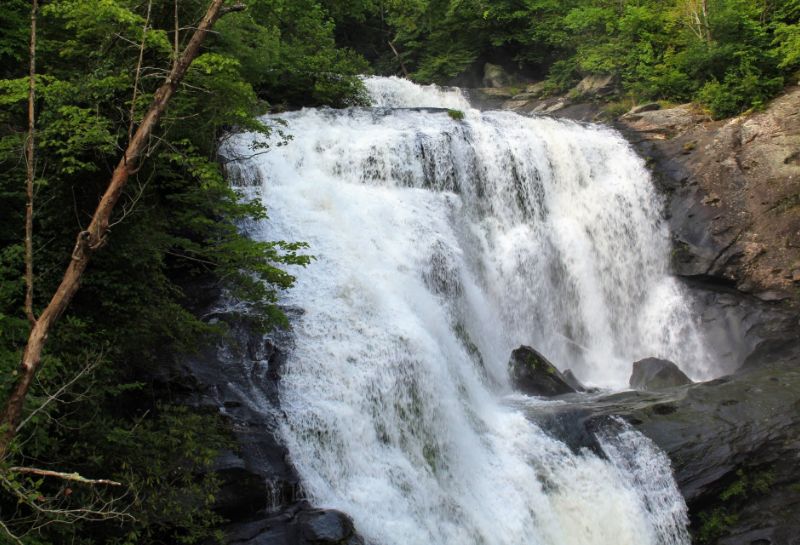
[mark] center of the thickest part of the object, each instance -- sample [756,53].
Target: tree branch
[75,477]
[236,7]
[399,59]
[10,534]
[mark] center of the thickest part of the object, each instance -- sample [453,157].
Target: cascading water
[441,245]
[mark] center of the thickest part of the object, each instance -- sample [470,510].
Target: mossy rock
[533,374]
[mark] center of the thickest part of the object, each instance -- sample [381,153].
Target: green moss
[473,350]
[716,520]
[714,525]
[737,489]
[746,485]
[457,115]
[533,362]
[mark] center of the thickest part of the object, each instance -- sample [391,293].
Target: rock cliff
[734,189]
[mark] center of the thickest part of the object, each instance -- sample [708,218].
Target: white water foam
[442,245]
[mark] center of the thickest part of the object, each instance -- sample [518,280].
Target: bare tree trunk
[93,237]
[30,159]
[696,14]
[706,28]
[176,47]
[399,59]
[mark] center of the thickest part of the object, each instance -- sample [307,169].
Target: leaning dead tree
[94,236]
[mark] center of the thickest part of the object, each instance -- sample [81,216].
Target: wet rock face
[300,524]
[261,495]
[326,526]
[734,444]
[657,374]
[572,380]
[734,193]
[532,374]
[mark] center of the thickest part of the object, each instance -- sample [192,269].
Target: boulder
[659,124]
[326,526]
[595,85]
[550,105]
[300,524]
[520,105]
[495,75]
[536,89]
[657,374]
[532,374]
[648,107]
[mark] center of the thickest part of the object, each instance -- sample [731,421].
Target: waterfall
[441,244]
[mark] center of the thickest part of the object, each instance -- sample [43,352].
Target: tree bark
[66,476]
[399,59]
[94,236]
[30,159]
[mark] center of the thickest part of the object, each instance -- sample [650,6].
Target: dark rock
[734,444]
[300,524]
[741,433]
[582,111]
[265,531]
[242,493]
[572,380]
[657,374]
[533,374]
[260,494]
[326,526]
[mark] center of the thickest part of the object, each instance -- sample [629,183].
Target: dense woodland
[105,403]
[728,55]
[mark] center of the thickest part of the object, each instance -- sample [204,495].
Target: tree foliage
[729,55]
[104,404]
